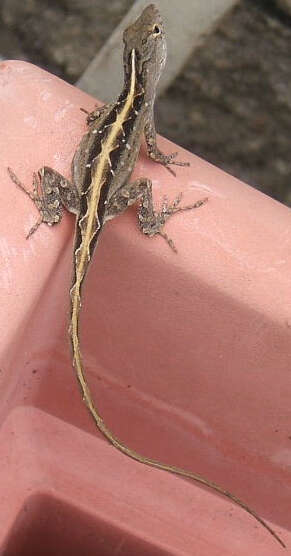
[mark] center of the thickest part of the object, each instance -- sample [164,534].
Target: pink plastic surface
[188,357]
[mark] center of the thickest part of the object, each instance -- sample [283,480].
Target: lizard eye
[156,30]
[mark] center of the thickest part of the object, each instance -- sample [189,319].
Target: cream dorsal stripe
[98,180]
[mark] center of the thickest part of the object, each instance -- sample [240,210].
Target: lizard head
[146,37]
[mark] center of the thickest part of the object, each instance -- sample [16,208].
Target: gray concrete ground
[232,102]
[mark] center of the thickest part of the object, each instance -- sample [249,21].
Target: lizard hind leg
[51,192]
[151,222]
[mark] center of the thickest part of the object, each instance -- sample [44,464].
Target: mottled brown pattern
[113,158]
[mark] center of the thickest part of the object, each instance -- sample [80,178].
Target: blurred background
[231,104]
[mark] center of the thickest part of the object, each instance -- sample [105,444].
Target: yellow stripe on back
[97,178]
[91,215]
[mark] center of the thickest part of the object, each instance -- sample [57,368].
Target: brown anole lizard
[100,190]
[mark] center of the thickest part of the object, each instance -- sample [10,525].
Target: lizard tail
[87,398]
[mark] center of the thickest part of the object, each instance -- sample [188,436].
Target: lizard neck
[134,80]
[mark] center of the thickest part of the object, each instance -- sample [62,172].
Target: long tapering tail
[74,335]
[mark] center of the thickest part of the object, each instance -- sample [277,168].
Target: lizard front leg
[151,221]
[154,151]
[97,112]
[51,192]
